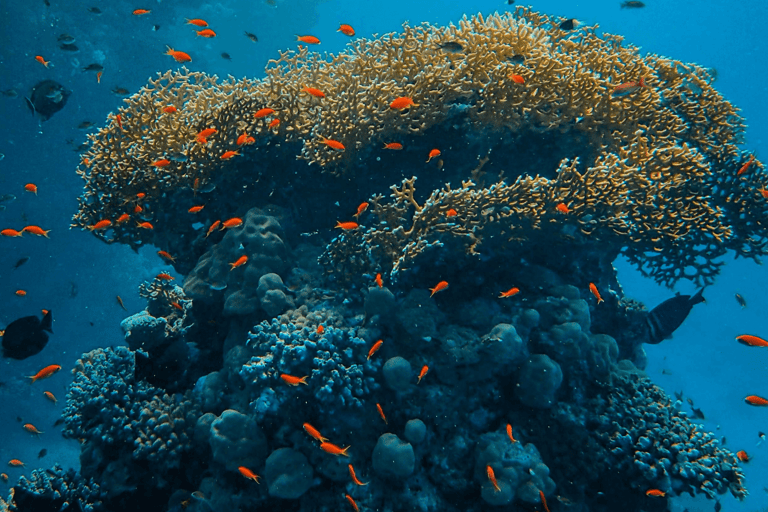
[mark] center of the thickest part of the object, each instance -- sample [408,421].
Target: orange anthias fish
[433,154]
[32,429]
[543,500]
[206,32]
[317,93]
[757,401]
[120,301]
[393,145]
[595,292]
[50,396]
[751,341]
[242,260]
[42,61]
[229,154]
[163,162]
[334,450]
[562,208]
[11,232]
[145,225]
[232,223]
[263,112]
[308,39]
[442,285]
[294,381]
[655,493]
[178,56]
[381,413]
[746,165]
[178,306]
[347,30]
[509,293]
[197,22]
[451,213]
[31,187]
[517,79]
[137,209]
[352,502]
[164,277]
[166,256]
[119,121]
[244,139]
[628,88]
[123,218]
[212,228]
[763,192]
[320,329]
[743,456]
[360,209]
[196,209]
[139,12]
[247,473]
[21,293]
[492,477]
[422,373]
[45,373]
[272,124]
[16,463]
[312,431]
[402,102]
[379,282]
[375,348]
[37,230]
[509,433]
[333,144]
[170,109]
[102,224]
[354,476]
[346,226]
[203,135]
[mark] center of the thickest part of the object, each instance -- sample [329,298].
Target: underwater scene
[398,257]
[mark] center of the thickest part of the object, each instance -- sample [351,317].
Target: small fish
[402,102]
[352,502]
[698,414]
[139,12]
[690,402]
[723,440]
[595,292]
[665,318]
[320,329]
[197,495]
[743,456]
[333,144]
[69,48]
[42,61]
[294,381]
[196,209]
[718,506]
[120,301]
[247,473]
[212,228]
[42,453]
[569,24]
[509,293]
[98,81]
[744,168]
[516,59]
[166,256]
[492,478]
[354,476]
[145,225]
[308,39]
[155,28]
[197,22]
[178,306]
[242,260]
[655,493]
[518,79]
[378,281]
[232,223]
[93,67]
[360,209]
[562,208]
[120,91]
[509,433]
[317,93]
[164,277]
[252,37]
[58,422]
[741,301]
[65,38]
[21,262]
[442,285]
[229,154]
[347,30]
[334,450]
[263,112]
[422,373]
[346,226]
[393,145]
[433,154]
[244,139]
[16,463]
[94,10]
[178,56]
[32,429]
[375,348]
[50,396]
[632,4]
[381,413]
[102,224]
[123,218]
[11,232]
[314,433]
[451,47]
[225,55]
[84,125]
[11,93]
[46,372]
[206,32]
[751,341]
[36,230]
[21,293]
[543,500]
[757,401]
[3,477]
[628,88]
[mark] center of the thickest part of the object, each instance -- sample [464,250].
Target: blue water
[78,277]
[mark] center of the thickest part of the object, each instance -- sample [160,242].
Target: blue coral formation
[56,489]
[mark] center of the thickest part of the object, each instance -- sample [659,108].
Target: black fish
[698,414]
[58,422]
[11,93]
[741,301]
[569,24]
[121,91]
[252,37]
[679,396]
[226,56]
[42,453]
[94,10]
[84,125]
[69,48]
[26,336]
[718,506]
[516,59]
[65,39]
[47,98]
[723,441]
[665,318]
[451,47]
[21,262]
[632,5]
[155,28]
[93,67]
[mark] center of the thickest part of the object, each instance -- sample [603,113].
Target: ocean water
[78,276]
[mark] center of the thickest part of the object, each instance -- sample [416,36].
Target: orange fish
[308,39]
[45,373]
[120,301]
[273,124]
[50,396]
[37,230]
[442,285]
[212,228]
[347,30]
[595,292]
[166,256]
[354,476]
[229,154]
[375,348]
[756,400]
[197,22]
[360,209]
[294,381]
[264,112]
[98,77]
[16,463]
[247,473]
[178,306]
[3,477]
[509,293]
[562,208]
[206,32]
[509,433]
[492,478]
[123,218]
[31,187]
[517,79]
[137,209]
[451,213]
[543,500]
[422,373]
[141,195]
[333,144]
[320,329]
[379,282]
[206,133]
[742,455]
[655,493]
[139,12]
[145,225]
[393,145]
[178,56]
[32,429]
[42,61]
[163,162]
[317,93]
[763,192]
[746,166]
[628,88]
[21,293]
[381,413]
[312,431]
[243,139]
[119,121]
[232,223]
[352,502]
[11,232]
[196,209]
[751,341]
[170,109]
[346,226]
[164,277]
[402,102]
[101,225]
[433,154]
[240,262]
[334,450]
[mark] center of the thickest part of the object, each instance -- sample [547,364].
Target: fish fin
[30,105]
[698,297]
[47,323]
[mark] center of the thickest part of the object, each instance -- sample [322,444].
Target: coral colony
[256,384]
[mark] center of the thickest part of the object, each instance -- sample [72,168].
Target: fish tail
[698,298]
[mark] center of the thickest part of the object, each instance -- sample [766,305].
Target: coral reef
[55,489]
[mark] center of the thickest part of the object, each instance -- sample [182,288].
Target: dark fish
[73,289]
[516,59]
[66,39]
[18,418]
[58,422]
[47,98]
[21,262]
[451,47]
[84,125]
[569,24]
[632,5]
[718,506]
[94,67]
[225,56]
[723,441]
[690,402]
[741,301]
[27,336]
[11,93]
[155,28]
[679,396]
[510,2]
[665,318]
[42,453]
[698,414]
[69,48]
[81,148]
[94,10]
[252,37]
[47,3]
[120,91]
